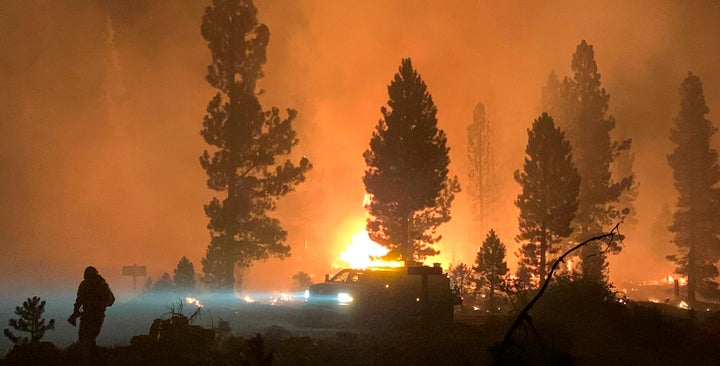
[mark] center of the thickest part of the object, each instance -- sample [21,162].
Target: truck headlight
[344,298]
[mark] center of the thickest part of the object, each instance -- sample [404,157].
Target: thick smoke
[102,104]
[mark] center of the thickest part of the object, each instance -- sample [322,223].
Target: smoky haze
[102,103]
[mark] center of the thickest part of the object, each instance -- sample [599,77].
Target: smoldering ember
[409,182]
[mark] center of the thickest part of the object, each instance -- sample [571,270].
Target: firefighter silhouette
[93,296]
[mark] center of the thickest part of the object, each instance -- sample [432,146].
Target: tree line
[577,180]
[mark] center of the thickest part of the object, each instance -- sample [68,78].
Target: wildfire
[367,199]
[667,280]
[684,305]
[681,280]
[248,299]
[362,252]
[281,298]
[194,301]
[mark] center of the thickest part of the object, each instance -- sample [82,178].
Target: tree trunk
[691,275]
[543,249]
[408,248]
[491,298]
[691,264]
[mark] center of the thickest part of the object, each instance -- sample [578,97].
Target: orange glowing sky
[99,139]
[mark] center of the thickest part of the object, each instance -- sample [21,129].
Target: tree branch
[524,316]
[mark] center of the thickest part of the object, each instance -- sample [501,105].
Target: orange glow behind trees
[119,183]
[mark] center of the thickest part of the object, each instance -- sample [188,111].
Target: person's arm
[79,299]
[76,308]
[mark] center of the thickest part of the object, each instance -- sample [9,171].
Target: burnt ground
[569,328]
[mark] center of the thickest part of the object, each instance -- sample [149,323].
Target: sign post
[135,271]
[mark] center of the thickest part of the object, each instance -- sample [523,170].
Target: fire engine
[382,294]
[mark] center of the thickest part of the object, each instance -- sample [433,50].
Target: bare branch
[524,316]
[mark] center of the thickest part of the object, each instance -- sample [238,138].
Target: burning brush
[193,301]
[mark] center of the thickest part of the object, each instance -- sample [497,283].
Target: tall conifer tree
[407,170]
[548,202]
[247,142]
[556,101]
[696,221]
[580,105]
[490,266]
[481,187]
[184,275]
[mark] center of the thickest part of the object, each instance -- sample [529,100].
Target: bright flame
[194,301]
[248,299]
[367,199]
[671,280]
[665,280]
[362,252]
[281,298]
[684,305]
[569,265]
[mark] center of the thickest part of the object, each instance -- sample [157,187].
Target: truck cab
[387,293]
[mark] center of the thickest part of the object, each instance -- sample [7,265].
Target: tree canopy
[407,170]
[29,320]
[184,275]
[246,166]
[548,201]
[490,266]
[695,223]
[579,106]
[462,278]
[481,185]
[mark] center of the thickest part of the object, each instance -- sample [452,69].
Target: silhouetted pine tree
[184,275]
[548,202]
[579,105]
[163,284]
[696,219]
[556,101]
[30,321]
[247,143]
[481,187]
[148,287]
[407,172]
[462,278]
[490,266]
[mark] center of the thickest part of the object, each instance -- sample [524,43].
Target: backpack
[110,298]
